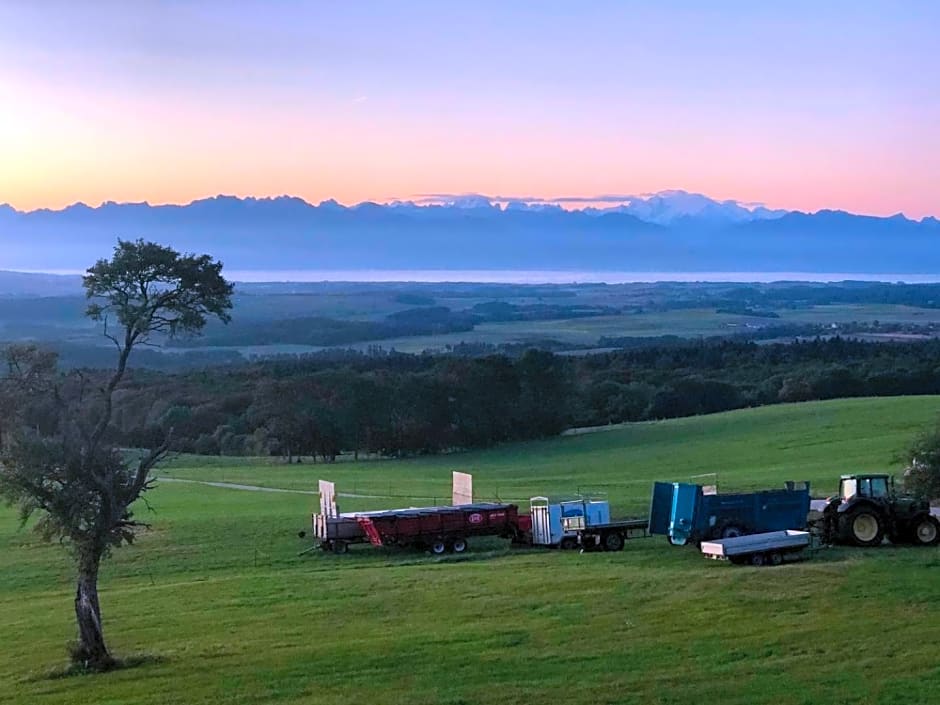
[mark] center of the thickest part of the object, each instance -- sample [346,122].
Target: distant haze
[673,232]
[482,276]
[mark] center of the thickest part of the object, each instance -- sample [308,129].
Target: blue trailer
[684,513]
[550,519]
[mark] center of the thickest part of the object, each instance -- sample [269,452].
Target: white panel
[462,489]
[328,499]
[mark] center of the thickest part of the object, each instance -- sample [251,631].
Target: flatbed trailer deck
[770,548]
[609,536]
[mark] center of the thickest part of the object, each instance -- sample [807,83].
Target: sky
[800,105]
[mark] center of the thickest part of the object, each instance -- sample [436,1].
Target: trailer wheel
[776,558]
[757,560]
[340,547]
[438,547]
[458,545]
[569,543]
[613,542]
[926,531]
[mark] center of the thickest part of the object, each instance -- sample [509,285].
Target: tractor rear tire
[863,527]
[926,531]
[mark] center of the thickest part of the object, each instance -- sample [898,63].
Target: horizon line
[441,200]
[536,277]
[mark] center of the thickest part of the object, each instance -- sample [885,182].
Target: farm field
[691,323]
[217,598]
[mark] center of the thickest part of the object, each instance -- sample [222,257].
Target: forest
[320,406]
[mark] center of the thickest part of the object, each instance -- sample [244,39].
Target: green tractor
[868,508]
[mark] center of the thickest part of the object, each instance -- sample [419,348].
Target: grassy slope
[217,592]
[747,449]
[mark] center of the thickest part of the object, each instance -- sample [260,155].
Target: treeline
[848,292]
[400,404]
[331,332]
[393,405]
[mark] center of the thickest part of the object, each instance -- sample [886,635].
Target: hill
[217,599]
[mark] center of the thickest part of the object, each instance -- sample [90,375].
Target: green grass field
[218,597]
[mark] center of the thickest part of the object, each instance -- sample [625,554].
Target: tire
[926,531]
[864,527]
[340,547]
[458,545]
[438,547]
[757,560]
[731,531]
[613,542]
[776,558]
[568,543]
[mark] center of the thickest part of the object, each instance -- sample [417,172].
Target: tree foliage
[922,478]
[58,458]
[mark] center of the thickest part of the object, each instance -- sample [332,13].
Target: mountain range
[668,231]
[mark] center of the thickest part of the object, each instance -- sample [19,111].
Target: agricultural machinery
[767,526]
[868,508]
[687,513]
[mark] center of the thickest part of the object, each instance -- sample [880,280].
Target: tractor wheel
[458,545]
[757,560]
[613,542]
[569,543]
[864,528]
[926,531]
[438,547]
[731,531]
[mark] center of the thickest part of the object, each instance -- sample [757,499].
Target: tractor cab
[877,487]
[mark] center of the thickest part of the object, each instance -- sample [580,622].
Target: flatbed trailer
[609,536]
[770,548]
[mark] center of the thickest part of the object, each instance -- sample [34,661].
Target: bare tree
[56,460]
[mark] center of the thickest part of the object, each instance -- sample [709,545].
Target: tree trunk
[91,652]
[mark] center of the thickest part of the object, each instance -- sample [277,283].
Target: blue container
[685,514]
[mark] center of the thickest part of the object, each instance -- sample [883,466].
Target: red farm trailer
[442,529]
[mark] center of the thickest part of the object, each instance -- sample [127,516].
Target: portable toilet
[546,522]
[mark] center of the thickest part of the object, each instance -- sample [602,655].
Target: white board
[328,499]
[463,489]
